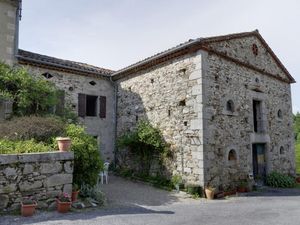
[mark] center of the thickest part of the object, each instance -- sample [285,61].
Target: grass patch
[298,158]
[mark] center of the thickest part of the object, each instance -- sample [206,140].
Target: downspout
[18,18]
[115,118]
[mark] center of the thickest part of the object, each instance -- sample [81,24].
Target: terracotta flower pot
[210,193]
[63,207]
[241,189]
[28,210]
[64,144]
[74,196]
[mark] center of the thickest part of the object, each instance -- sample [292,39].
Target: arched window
[281,150]
[232,155]
[230,106]
[279,114]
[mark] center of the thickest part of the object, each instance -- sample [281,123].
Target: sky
[116,33]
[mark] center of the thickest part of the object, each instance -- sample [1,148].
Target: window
[257,116]
[47,75]
[88,104]
[279,114]
[281,150]
[230,106]
[91,105]
[232,155]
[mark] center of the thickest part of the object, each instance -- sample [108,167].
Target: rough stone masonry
[42,175]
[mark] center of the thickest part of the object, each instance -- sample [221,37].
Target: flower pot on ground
[28,207]
[64,144]
[298,180]
[75,192]
[210,192]
[63,203]
[242,187]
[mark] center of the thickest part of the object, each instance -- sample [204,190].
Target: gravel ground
[136,203]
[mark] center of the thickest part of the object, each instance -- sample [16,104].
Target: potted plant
[63,203]
[176,181]
[28,206]
[75,192]
[242,187]
[64,144]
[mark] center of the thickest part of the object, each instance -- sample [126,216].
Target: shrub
[95,193]
[42,129]
[31,95]
[194,190]
[279,180]
[28,146]
[145,142]
[87,162]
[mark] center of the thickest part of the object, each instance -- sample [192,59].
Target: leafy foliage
[93,192]
[279,180]
[41,129]
[30,95]
[87,162]
[17,147]
[144,142]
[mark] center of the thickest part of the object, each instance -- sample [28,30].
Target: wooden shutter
[81,105]
[102,104]
[61,103]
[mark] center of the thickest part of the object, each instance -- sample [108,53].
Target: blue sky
[116,33]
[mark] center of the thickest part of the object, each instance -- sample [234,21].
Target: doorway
[259,161]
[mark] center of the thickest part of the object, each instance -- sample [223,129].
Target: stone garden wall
[41,175]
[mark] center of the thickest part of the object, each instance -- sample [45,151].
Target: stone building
[223,103]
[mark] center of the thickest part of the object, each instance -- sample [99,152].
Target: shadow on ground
[273,192]
[124,197]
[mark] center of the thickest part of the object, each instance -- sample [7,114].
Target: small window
[279,114]
[93,83]
[91,105]
[281,150]
[182,103]
[232,155]
[47,75]
[230,106]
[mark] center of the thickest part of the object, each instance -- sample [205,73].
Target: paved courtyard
[136,203]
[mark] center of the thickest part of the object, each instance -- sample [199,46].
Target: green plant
[145,142]
[87,191]
[75,187]
[87,162]
[176,179]
[64,197]
[17,147]
[42,129]
[31,95]
[279,180]
[243,184]
[28,201]
[194,189]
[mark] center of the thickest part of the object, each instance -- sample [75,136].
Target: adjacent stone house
[223,103]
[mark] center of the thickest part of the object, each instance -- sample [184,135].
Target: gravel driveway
[136,203]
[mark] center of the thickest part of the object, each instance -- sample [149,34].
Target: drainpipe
[115,117]
[18,18]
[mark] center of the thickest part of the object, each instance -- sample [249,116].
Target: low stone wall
[40,175]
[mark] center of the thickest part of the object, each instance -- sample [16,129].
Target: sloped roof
[194,45]
[30,58]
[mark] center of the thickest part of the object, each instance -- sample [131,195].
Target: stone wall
[41,175]
[8,34]
[169,96]
[224,80]
[73,84]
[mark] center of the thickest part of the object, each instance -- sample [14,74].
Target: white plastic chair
[104,173]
